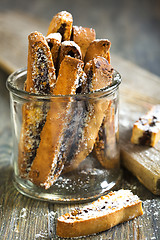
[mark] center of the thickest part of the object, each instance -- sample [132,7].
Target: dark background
[133,27]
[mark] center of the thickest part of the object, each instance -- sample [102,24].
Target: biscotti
[83,37]
[61,23]
[98,47]
[100,215]
[54,43]
[48,163]
[69,48]
[146,131]
[94,112]
[41,76]
[105,147]
[99,73]
[40,80]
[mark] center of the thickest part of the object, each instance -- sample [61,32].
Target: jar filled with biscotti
[65,122]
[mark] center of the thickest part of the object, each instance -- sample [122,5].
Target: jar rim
[26,95]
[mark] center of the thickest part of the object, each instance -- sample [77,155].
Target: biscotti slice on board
[98,47]
[146,131]
[48,162]
[83,37]
[40,80]
[61,23]
[100,215]
[93,115]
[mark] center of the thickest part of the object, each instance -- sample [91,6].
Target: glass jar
[66,148]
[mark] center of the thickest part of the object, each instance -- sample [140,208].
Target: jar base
[84,184]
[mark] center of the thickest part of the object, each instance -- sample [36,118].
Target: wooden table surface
[23,218]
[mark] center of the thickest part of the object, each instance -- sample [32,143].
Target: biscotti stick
[41,76]
[54,42]
[98,47]
[40,80]
[83,37]
[48,162]
[105,144]
[100,215]
[99,73]
[71,49]
[61,23]
[94,113]
[105,147]
[146,131]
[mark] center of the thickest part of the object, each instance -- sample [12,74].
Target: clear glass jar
[66,148]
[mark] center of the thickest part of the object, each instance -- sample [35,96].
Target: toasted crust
[69,48]
[105,213]
[49,151]
[83,37]
[94,113]
[98,47]
[146,131]
[54,42]
[62,23]
[40,80]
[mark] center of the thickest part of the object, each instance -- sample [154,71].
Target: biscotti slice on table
[48,162]
[54,42]
[83,37]
[40,80]
[146,130]
[98,47]
[98,76]
[61,23]
[100,215]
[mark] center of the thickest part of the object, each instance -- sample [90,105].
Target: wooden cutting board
[138,92]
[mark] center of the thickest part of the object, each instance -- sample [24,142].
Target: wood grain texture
[25,218]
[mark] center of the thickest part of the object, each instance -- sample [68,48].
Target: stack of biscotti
[68,61]
[100,215]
